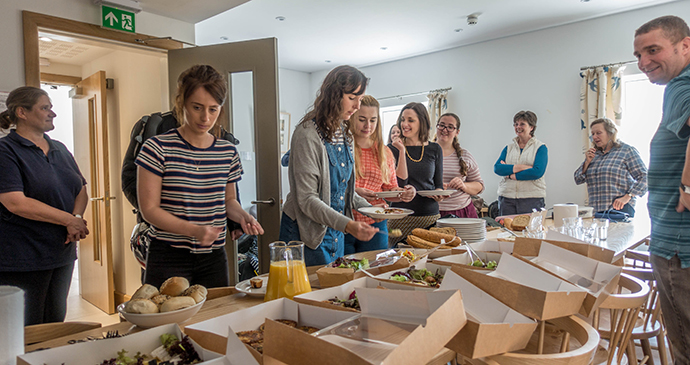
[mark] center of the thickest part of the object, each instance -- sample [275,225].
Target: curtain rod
[608,64]
[414,94]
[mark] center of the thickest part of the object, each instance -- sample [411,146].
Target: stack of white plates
[469,229]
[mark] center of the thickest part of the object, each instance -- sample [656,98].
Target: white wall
[140,80]
[12,42]
[536,71]
[295,98]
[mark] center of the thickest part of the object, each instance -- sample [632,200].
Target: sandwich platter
[469,229]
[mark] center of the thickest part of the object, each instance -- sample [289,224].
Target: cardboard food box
[492,327]
[599,279]
[334,276]
[530,247]
[320,297]
[395,327]
[95,352]
[213,334]
[487,246]
[527,289]
[423,264]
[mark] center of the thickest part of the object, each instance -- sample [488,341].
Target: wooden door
[251,68]
[95,252]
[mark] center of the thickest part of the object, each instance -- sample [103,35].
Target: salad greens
[357,264]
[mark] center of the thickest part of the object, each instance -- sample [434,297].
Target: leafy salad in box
[418,276]
[172,352]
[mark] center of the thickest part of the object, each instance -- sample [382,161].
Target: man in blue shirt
[662,48]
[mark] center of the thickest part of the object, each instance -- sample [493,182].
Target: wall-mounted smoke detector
[472,19]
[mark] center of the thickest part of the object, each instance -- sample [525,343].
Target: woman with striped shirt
[186,187]
[460,170]
[375,171]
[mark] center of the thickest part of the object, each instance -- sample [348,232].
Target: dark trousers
[674,291]
[509,206]
[45,292]
[208,269]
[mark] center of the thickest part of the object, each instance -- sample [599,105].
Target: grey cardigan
[309,199]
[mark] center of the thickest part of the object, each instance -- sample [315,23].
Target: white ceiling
[188,11]
[353,31]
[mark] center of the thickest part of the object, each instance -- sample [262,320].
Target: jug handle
[288,259]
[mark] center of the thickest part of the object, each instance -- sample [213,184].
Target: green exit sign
[117,19]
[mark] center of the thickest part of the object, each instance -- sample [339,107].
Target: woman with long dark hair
[318,208]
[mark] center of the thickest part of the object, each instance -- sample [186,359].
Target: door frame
[33,22]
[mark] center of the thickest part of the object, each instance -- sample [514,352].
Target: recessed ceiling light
[584,1]
[328,61]
[46,39]
[280,18]
[458,30]
[384,48]
[224,38]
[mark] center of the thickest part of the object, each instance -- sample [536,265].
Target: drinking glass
[602,228]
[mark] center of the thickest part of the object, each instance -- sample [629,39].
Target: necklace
[412,159]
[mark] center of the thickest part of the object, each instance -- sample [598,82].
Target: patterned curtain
[438,104]
[600,96]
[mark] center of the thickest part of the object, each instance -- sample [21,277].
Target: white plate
[378,213]
[159,319]
[388,194]
[246,287]
[461,221]
[435,192]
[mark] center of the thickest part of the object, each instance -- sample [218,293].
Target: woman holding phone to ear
[614,172]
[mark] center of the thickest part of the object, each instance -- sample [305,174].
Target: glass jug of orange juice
[287,276]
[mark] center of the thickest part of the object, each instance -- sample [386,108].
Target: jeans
[378,242]
[45,292]
[509,206]
[674,292]
[208,269]
[330,248]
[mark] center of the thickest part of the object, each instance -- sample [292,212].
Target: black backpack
[145,128]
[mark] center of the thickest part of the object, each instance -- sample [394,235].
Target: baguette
[417,242]
[433,236]
[445,230]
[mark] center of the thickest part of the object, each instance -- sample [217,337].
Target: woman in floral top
[613,170]
[375,171]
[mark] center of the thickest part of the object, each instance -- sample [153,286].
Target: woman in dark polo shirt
[42,199]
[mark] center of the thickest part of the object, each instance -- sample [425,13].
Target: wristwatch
[686,189]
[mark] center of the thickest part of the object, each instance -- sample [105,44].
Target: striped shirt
[194,182]
[612,175]
[372,177]
[451,169]
[670,229]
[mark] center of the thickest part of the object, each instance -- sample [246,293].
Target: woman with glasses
[424,166]
[522,165]
[613,170]
[460,170]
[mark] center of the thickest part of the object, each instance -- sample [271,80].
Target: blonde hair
[376,139]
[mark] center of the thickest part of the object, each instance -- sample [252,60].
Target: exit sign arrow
[112,18]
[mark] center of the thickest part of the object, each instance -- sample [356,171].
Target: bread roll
[174,286]
[141,306]
[160,299]
[198,292]
[432,236]
[176,303]
[145,291]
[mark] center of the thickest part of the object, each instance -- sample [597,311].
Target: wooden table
[621,236]
[212,308]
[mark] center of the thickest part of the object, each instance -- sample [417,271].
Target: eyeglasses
[448,128]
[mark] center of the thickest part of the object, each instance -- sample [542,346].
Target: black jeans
[45,292]
[208,269]
[509,206]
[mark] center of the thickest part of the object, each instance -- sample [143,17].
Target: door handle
[270,201]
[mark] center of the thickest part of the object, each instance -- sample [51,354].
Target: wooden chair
[574,327]
[623,310]
[47,331]
[650,323]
